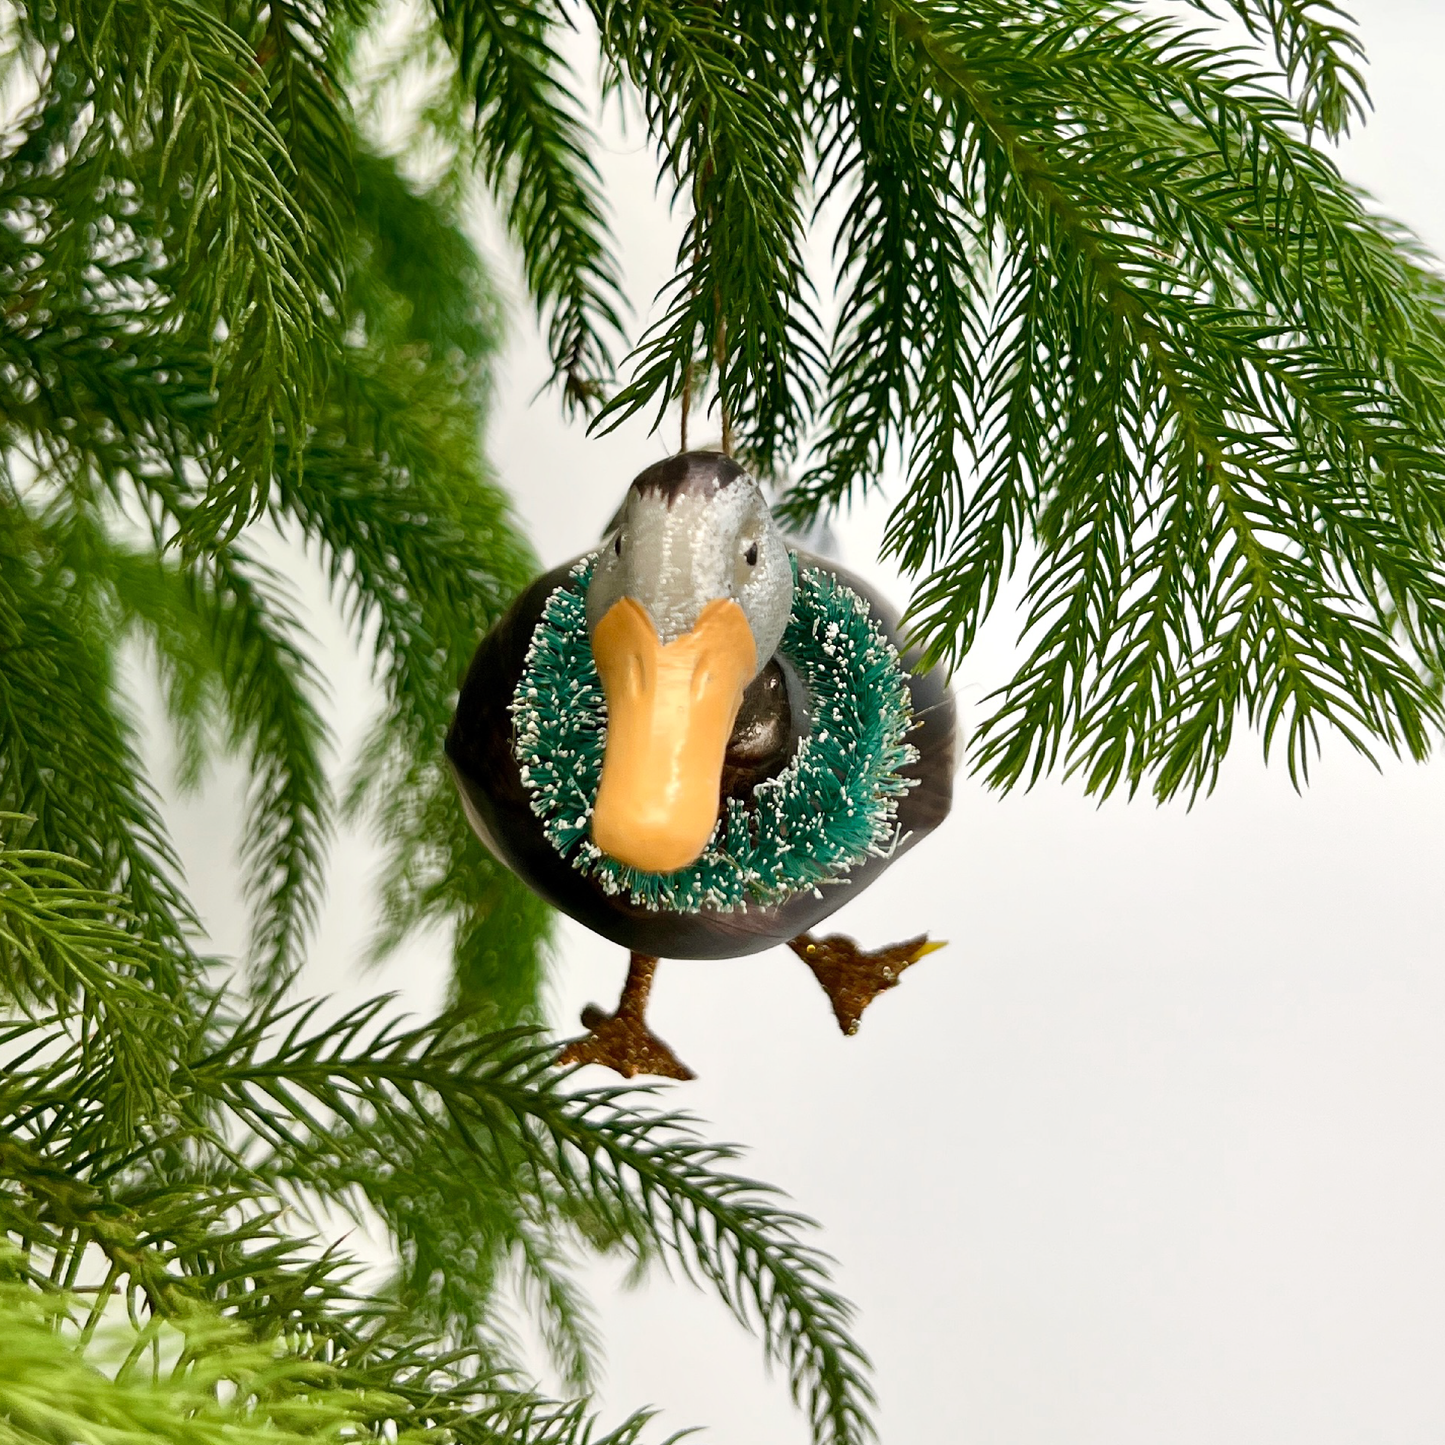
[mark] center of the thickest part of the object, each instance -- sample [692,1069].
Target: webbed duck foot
[851,977]
[624,1044]
[622,1040]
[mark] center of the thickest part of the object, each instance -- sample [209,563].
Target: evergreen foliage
[160,1143]
[229,322]
[1132,334]
[1128,327]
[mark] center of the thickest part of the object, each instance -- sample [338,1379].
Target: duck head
[688,601]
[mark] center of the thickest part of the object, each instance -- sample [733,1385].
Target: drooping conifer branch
[1122,326]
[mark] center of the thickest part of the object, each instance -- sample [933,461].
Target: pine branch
[191,1211]
[467,1237]
[532,152]
[647,1175]
[270,686]
[67,761]
[1171,308]
[219,1387]
[97,388]
[69,948]
[51,1388]
[568,1328]
[230,653]
[730,135]
[171,1246]
[910,258]
[313,153]
[1318,52]
[181,85]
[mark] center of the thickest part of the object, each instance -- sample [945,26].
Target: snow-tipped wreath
[833,805]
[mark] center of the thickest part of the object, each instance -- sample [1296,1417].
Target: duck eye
[617,545]
[751,555]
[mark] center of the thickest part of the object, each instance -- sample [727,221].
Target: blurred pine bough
[223,308]
[1128,328]
[167,1159]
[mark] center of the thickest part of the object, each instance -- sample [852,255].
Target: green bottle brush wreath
[834,804]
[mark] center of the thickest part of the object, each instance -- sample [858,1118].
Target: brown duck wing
[479,746]
[479,742]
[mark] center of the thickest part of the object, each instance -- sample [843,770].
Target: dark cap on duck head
[692,473]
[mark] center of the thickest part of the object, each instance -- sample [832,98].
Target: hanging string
[720,349]
[720,356]
[719,329]
[686,403]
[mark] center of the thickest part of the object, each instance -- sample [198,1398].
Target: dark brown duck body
[772,719]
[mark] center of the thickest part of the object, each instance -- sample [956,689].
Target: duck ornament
[699,744]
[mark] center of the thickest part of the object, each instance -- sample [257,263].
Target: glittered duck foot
[622,1041]
[851,978]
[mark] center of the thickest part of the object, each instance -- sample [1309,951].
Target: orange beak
[670,712]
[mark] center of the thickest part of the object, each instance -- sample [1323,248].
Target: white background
[1155,1150]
